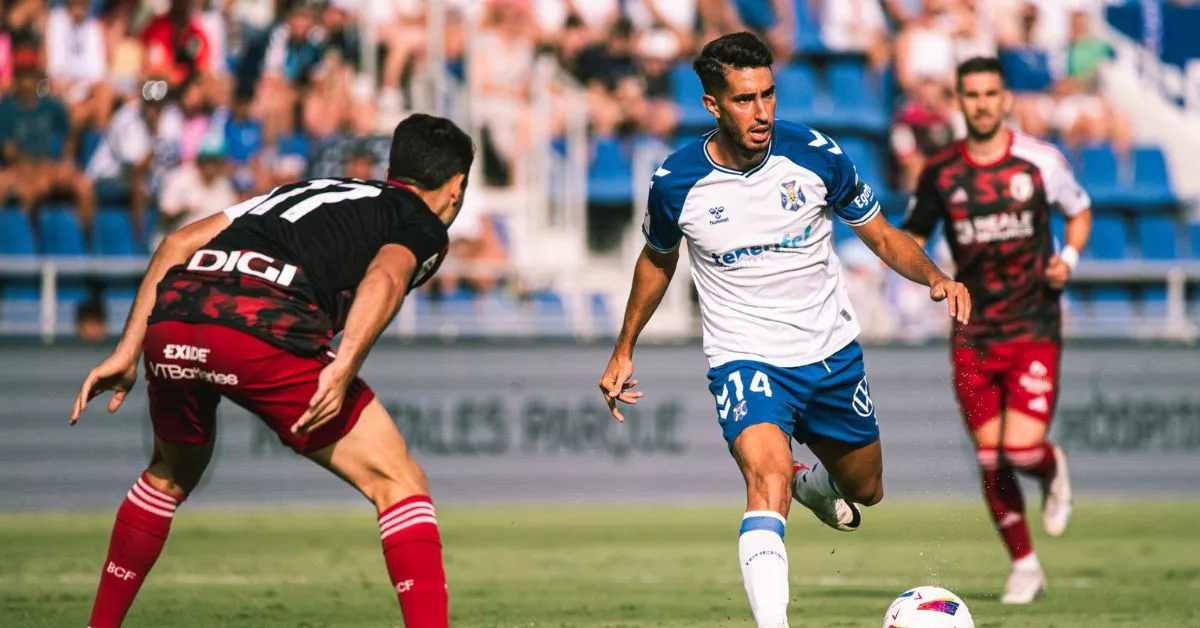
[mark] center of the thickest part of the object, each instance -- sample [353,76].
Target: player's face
[745,110]
[985,102]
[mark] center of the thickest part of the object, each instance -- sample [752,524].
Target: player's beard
[975,133]
[751,151]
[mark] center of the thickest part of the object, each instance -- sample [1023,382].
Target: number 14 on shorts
[759,384]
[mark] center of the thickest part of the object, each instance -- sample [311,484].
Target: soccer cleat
[1024,586]
[838,514]
[1056,497]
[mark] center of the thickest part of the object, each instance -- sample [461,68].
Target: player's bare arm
[119,371]
[1078,230]
[902,253]
[651,276]
[378,298]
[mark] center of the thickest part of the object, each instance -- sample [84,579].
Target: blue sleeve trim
[858,222]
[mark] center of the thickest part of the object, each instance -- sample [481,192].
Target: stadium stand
[279,120]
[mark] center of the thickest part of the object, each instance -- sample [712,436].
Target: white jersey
[761,244]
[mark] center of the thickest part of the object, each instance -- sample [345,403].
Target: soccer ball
[928,607]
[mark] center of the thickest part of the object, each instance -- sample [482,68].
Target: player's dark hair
[736,50]
[428,151]
[980,65]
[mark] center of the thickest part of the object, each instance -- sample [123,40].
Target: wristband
[1070,257]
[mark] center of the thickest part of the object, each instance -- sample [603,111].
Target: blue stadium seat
[1112,310]
[610,175]
[16,234]
[1194,236]
[1109,239]
[841,231]
[1058,229]
[112,234]
[799,83]
[1151,181]
[866,161]
[602,318]
[454,314]
[501,315]
[687,92]
[1157,237]
[808,30]
[1099,174]
[118,310]
[857,96]
[550,314]
[60,230]
[20,315]
[1152,302]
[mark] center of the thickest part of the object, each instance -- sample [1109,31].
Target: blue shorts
[827,399]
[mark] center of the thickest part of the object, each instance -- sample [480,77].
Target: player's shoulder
[1043,154]
[947,155]
[809,148]
[682,169]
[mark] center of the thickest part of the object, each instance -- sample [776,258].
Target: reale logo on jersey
[994,227]
[718,215]
[790,196]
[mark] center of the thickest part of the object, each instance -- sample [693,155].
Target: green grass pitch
[1121,564]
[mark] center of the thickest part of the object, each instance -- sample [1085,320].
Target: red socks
[138,536]
[412,548]
[1004,500]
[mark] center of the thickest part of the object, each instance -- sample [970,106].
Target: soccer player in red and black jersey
[242,306]
[995,191]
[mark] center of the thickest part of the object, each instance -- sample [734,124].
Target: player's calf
[142,524]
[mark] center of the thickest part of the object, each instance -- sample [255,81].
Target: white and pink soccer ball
[928,607]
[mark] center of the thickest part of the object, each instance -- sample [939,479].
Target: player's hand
[116,373]
[957,299]
[326,403]
[1057,273]
[617,385]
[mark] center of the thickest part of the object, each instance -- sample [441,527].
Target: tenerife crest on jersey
[790,196]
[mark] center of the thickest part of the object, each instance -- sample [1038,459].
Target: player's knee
[770,489]
[390,485]
[867,492]
[160,476]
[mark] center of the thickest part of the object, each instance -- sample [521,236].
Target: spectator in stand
[610,72]
[244,144]
[141,138]
[77,63]
[477,254]
[37,145]
[362,163]
[91,321]
[1080,90]
[772,20]
[338,101]
[25,22]
[176,45]
[195,191]
[293,58]
[500,75]
[922,126]
[122,22]
[855,26]
[594,17]
[657,50]
[677,18]
[925,48]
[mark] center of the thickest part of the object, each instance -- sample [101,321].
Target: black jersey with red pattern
[998,227]
[286,268]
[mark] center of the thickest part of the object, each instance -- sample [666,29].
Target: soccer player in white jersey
[756,200]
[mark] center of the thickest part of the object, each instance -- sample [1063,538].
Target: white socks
[764,567]
[1027,563]
[814,486]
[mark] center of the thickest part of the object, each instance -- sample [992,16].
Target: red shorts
[190,366]
[1021,376]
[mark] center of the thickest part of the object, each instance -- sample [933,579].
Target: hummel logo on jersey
[246,262]
[960,196]
[717,213]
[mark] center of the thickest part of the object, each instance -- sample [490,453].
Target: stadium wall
[502,423]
